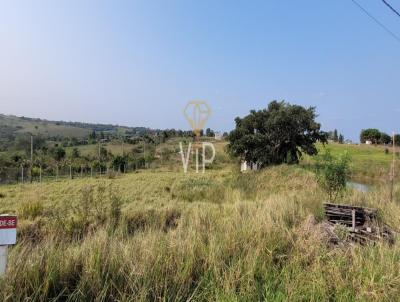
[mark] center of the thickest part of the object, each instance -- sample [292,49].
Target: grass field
[162,235]
[369,164]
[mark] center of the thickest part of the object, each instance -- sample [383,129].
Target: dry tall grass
[164,236]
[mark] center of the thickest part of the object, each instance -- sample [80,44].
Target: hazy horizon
[138,63]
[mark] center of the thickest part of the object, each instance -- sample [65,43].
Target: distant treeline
[11,141]
[15,134]
[377,137]
[335,136]
[96,127]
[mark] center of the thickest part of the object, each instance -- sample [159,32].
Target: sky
[138,63]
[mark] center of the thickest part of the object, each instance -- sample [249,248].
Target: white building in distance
[218,136]
[248,166]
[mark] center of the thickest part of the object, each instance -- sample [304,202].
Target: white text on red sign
[8,222]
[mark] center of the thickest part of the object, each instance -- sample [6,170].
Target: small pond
[359,186]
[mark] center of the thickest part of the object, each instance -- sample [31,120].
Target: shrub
[332,174]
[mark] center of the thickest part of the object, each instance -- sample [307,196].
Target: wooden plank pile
[361,223]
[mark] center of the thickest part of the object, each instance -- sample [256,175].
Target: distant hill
[11,126]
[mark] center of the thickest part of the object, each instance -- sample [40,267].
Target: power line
[377,21]
[391,7]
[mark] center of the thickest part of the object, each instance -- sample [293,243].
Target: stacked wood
[343,214]
[361,222]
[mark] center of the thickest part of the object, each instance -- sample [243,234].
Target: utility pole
[392,172]
[31,148]
[144,152]
[31,157]
[100,157]
[122,140]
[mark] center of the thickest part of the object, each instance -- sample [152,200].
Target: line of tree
[21,141]
[336,137]
[53,155]
[377,137]
[52,158]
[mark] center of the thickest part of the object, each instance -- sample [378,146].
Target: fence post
[56,172]
[40,174]
[70,172]
[91,171]
[3,259]
[22,173]
[81,172]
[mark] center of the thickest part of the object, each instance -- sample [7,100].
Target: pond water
[359,186]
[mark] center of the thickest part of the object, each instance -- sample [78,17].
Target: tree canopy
[375,136]
[279,134]
[385,139]
[372,135]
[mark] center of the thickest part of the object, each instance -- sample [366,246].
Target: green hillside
[17,125]
[14,125]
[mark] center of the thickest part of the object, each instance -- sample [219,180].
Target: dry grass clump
[210,252]
[31,209]
[151,219]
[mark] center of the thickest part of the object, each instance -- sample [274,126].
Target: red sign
[8,222]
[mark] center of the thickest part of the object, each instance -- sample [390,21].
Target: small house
[218,136]
[368,142]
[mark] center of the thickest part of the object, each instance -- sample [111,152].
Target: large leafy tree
[373,135]
[279,134]
[385,139]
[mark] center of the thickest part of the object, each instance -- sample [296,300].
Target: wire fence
[28,174]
